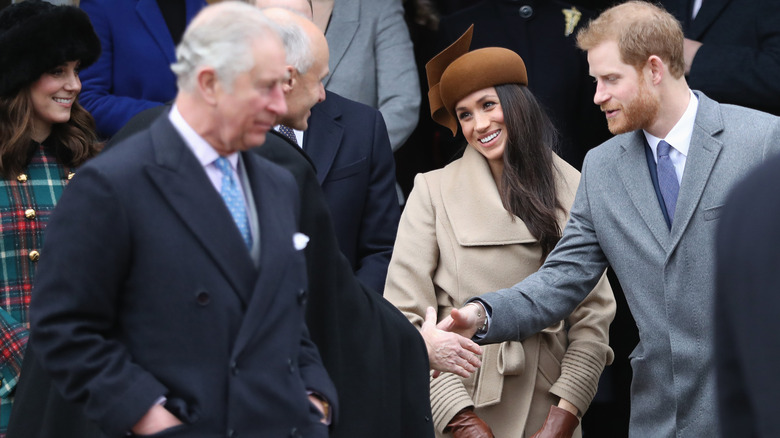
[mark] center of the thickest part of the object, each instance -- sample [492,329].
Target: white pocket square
[300,241]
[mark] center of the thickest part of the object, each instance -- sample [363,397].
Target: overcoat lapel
[341,33]
[178,175]
[635,175]
[323,138]
[155,24]
[474,207]
[276,248]
[703,153]
[709,12]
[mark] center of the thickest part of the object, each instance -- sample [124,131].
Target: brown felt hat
[455,73]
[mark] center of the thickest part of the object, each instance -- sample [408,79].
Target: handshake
[450,348]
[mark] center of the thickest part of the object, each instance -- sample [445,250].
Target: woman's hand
[466,424]
[560,423]
[449,352]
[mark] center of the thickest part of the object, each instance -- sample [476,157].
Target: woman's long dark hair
[75,141]
[528,180]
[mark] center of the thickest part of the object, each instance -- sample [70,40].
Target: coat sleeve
[398,85]
[74,307]
[380,212]
[551,294]
[588,351]
[110,111]
[410,287]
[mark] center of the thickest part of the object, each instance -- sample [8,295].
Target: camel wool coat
[455,241]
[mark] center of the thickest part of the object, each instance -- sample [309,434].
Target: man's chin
[254,140]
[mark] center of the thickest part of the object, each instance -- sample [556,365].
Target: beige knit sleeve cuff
[448,397]
[580,372]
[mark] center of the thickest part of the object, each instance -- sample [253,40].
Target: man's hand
[449,352]
[464,321]
[154,421]
[690,47]
[320,406]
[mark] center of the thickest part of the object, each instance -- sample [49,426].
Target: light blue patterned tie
[667,179]
[233,199]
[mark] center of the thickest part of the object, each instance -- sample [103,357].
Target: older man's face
[249,110]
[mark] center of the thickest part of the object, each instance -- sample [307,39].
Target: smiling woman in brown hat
[485,222]
[44,135]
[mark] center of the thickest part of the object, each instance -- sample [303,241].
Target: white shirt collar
[203,151]
[680,135]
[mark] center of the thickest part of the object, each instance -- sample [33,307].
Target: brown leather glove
[560,423]
[466,424]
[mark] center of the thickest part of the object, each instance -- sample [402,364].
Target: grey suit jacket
[372,62]
[667,275]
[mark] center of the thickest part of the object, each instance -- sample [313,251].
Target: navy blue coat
[348,143]
[739,61]
[146,289]
[133,72]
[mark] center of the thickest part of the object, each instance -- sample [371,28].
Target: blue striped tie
[233,199]
[667,179]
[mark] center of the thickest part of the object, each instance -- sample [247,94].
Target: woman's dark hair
[75,141]
[528,180]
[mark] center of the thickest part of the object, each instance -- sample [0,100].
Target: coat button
[203,298]
[234,368]
[21,177]
[34,255]
[29,213]
[232,433]
[294,433]
[70,175]
[301,297]
[526,11]
[291,365]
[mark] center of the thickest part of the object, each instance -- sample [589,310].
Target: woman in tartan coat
[44,135]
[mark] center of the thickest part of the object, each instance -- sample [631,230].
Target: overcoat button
[21,177]
[301,296]
[526,11]
[291,365]
[70,175]
[203,298]
[29,213]
[34,255]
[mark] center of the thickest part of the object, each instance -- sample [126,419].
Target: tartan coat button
[29,213]
[34,255]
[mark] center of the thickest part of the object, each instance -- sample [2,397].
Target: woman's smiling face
[481,119]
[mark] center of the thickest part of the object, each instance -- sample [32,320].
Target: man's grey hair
[222,40]
[296,43]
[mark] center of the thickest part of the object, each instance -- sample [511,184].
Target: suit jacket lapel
[635,175]
[323,138]
[702,154]
[275,249]
[709,12]
[341,30]
[181,180]
[155,24]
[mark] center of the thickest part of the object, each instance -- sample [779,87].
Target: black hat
[36,36]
